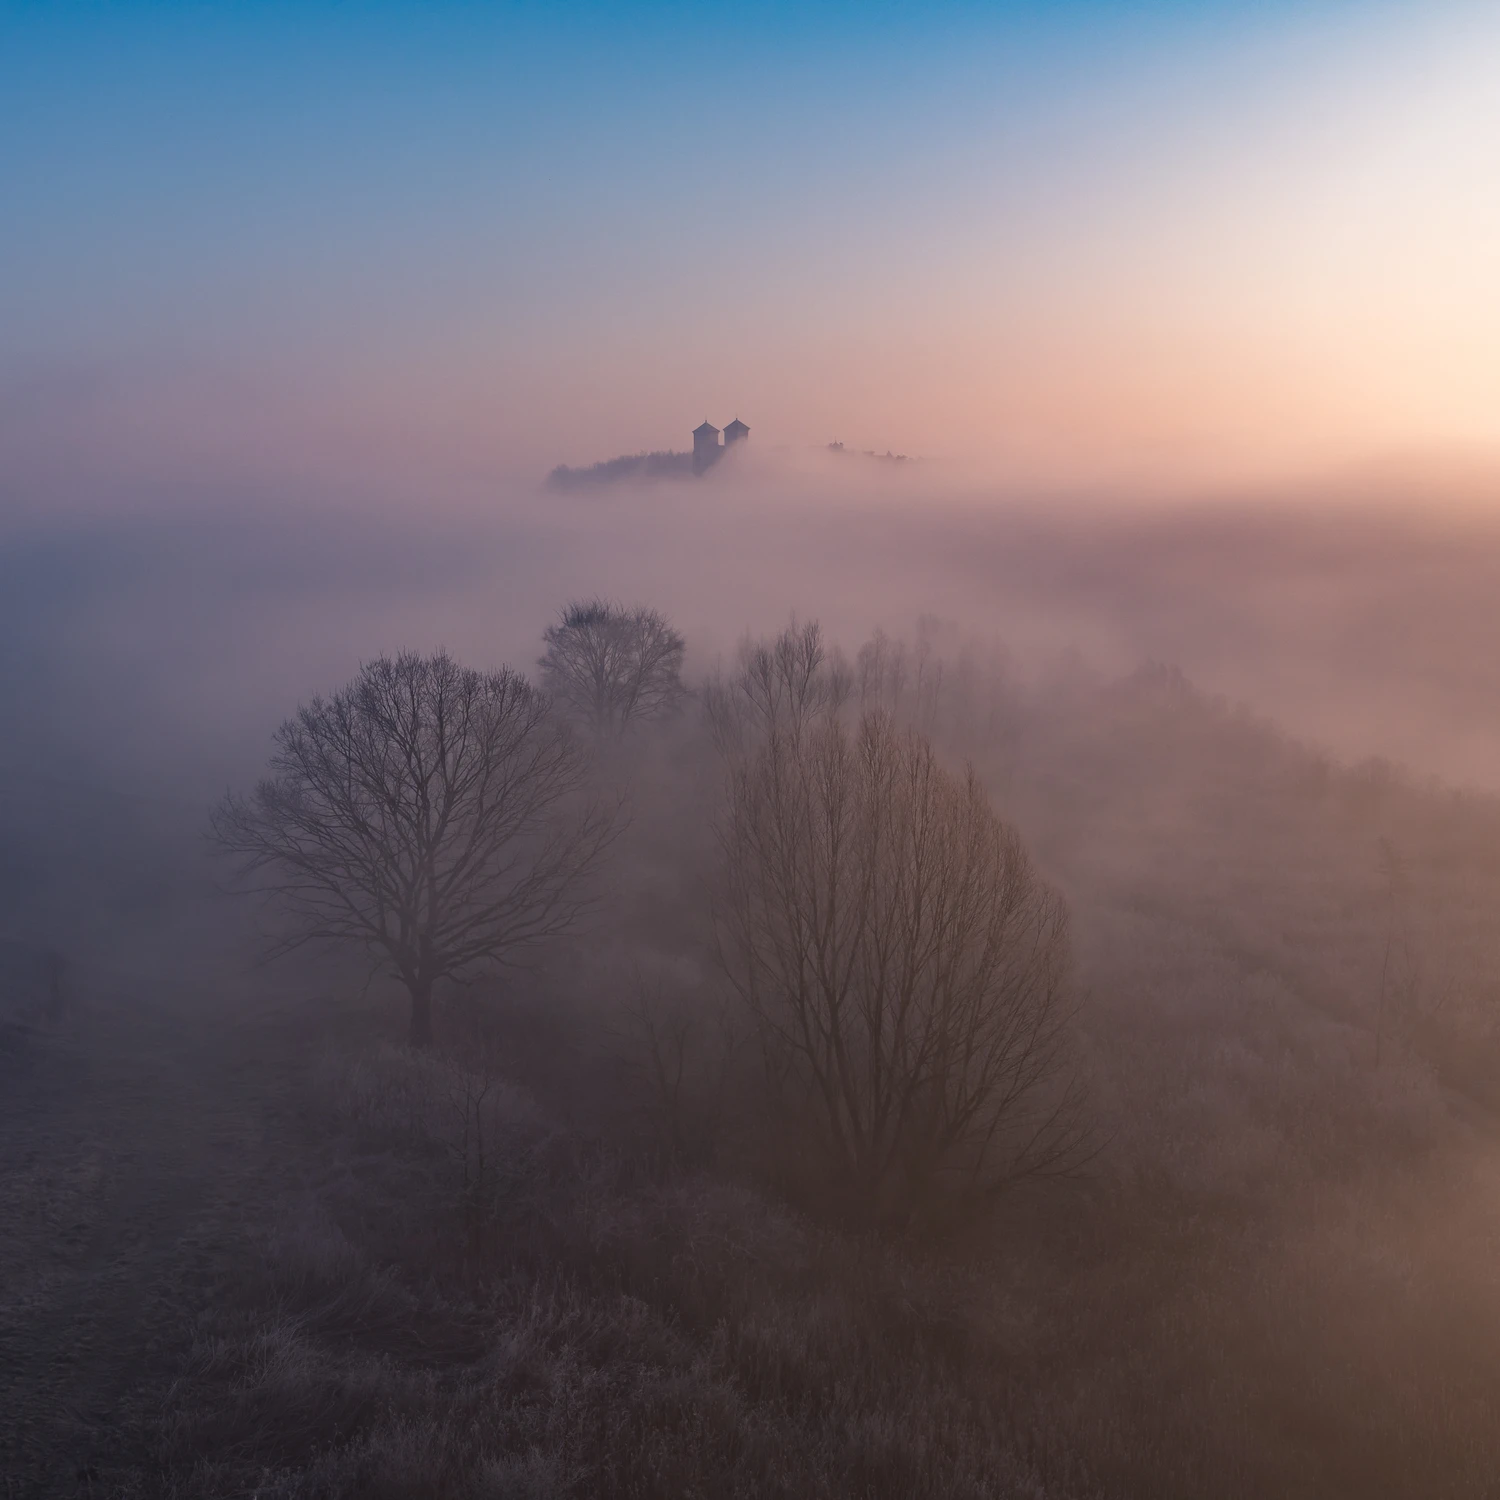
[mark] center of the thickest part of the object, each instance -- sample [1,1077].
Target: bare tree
[784,684]
[613,666]
[903,964]
[426,812]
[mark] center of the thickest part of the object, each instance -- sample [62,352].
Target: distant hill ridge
[661,464]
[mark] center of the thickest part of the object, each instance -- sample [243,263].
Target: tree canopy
[613,666]
[427,811]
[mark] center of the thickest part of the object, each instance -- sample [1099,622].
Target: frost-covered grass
[1277,1279]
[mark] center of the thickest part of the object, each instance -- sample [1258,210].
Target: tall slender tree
[903,966]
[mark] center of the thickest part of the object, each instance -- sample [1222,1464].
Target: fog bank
[166,644]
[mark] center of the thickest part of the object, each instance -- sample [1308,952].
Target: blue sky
[488,224]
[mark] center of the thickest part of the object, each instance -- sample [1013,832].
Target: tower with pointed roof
[736,432]
[706,448]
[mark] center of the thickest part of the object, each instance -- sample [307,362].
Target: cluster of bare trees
[900,969]
[439,816]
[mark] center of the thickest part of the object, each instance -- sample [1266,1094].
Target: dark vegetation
[886,457]
[959,1080]
[660,464]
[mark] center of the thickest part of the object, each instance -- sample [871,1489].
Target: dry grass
[474,1274]
[609,1331]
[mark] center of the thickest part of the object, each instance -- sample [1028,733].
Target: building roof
[736,426]
[706,427]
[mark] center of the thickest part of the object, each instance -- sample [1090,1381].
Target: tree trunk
[421,1012]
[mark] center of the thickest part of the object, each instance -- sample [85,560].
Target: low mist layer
[1360,623]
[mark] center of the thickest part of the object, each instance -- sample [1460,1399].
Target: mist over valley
[930,935]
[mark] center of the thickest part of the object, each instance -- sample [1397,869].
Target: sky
[1072,244]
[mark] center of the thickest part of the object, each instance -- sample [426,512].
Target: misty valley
[750,754]
[890,1064]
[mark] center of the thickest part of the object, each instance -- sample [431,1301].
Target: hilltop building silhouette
[707,450]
